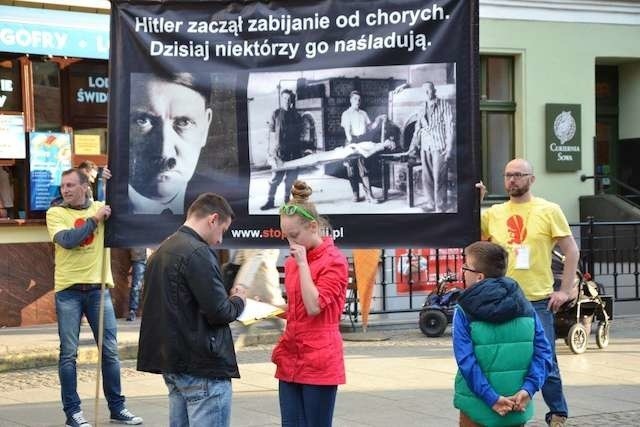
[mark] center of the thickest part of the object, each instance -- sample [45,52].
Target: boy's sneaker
[77,420]
[125,417]
[132,316]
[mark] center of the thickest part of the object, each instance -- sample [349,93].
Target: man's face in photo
[168,127]
[430,90]
[355,101]
[286,101]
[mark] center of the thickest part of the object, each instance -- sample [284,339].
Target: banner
[373,104]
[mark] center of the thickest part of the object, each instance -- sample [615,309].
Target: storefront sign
[198,87]
[12,137]
[52,32]
[49,156]
[86,144]
[563,143]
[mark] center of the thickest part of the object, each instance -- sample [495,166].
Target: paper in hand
[256,310]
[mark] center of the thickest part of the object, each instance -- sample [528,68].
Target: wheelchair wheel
[578,338]
[602,335]
[433,323]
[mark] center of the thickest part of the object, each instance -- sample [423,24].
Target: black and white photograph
[380,118]
[182,140]
[371,140]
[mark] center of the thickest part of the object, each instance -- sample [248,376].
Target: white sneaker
[77,420]
[125,417]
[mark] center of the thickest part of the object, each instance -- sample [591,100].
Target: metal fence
[610,253]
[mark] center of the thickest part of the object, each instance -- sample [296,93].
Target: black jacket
[187,311]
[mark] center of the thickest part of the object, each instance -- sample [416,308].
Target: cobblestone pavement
[416,358]
[48,376]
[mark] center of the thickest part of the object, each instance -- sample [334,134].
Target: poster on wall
[418,270]
[373,104]
[49,156]
[12,137]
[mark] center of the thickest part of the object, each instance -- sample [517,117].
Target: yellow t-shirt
[534,226]
[82,264]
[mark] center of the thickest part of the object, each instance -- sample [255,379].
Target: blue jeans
[303,405]
[198,401]
[552,388]
[137,274]
[70,306]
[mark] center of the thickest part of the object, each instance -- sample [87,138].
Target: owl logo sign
[563,137]
[564,127]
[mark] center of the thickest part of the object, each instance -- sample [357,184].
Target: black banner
[374,104]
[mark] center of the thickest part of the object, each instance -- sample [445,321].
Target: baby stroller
[437,310]
[574,319]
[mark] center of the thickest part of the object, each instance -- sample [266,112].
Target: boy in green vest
[502,353]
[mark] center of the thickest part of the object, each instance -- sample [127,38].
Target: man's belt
[85,287]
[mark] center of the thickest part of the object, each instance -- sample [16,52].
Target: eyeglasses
[288,209]
[465,268]
[516,175]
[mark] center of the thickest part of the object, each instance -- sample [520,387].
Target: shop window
[497,111]
[10,85]
[47,94]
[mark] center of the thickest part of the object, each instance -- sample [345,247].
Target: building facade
[549,69]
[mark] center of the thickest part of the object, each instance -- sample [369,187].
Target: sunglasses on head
[289,210]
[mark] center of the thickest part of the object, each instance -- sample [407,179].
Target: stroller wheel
[602,335]
[433,323]
[578,338]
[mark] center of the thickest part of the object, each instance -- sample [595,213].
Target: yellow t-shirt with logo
[536,225]
[82,264]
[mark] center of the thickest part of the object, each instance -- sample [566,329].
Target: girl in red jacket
[309,355]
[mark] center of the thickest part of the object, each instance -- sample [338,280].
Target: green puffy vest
[504,352]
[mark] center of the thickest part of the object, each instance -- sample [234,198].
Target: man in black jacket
[185,332]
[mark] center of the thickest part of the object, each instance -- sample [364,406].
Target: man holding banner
[529,228]
[76,227]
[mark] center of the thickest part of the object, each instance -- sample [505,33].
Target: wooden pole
[103,280]
[103,285]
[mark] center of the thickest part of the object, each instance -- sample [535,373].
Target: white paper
[257,310]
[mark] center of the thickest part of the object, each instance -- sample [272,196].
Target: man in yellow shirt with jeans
[528,228]
[76,227]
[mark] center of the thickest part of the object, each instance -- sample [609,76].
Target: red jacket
[310,350]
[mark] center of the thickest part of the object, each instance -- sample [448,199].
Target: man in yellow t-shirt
[528,228]
[76,227]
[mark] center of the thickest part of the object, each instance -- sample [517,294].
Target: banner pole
[103,280]
[100,335]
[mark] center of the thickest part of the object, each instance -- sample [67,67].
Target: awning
[54,32]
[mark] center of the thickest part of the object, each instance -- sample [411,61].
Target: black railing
[609,252]
[601,182]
